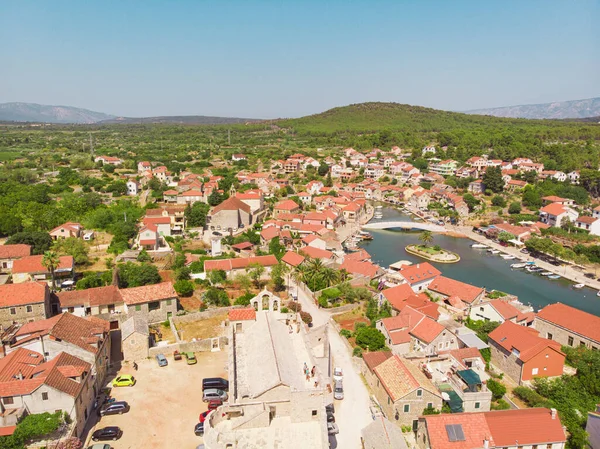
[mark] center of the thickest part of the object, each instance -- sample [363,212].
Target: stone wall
[505,361]
[204,345]
[166,307]
[39,311]
[561,335]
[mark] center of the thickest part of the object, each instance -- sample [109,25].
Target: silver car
[214,393]
[162,360]
[338,391]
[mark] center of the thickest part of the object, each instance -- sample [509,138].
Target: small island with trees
[431,253]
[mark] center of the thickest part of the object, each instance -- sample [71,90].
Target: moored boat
[478,246]
[519,265]
[546,273]
[554,276]
[578,286]
[508,256]
[493,251]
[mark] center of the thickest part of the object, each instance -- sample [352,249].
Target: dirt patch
[349,324]
[167,275]
[163,333]
[190,304]
[351,315]
[200,329]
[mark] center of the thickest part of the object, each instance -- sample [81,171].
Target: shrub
[345,333]
[184,288]
[406,429]
[306,317]
[357,351]
[531,397]
[284,310]
[430,411]
[165,323]
[501,404]
[498,201]
[359,324]
[514,208]
[370,338]
[143,256]
[294,306]
[244,300]
[498,390]
[217,297]
[323,302]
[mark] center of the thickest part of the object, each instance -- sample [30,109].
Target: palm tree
[50,260]
[343,275]
[426,237]
[330,276]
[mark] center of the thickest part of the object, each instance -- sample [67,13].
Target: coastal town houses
[285,207]
[400,387]
[10,253]
[108,160]
[23,303]
[445,288]
[523,354]
[555,214]
[175,214]
[241,265]
[527,428]
[419,276]
[66,230]
[568,326]
[31,268]
[156,302]
[232,214]
[31,383]
[590,224]
[499,310]
[105,302]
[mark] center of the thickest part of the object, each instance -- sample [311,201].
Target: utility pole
[228,136]
[91,145]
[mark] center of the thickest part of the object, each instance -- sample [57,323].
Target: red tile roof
[373,359]
[524,339]
[572,319]
[427,330]
[400,377]
[419,272]
[506,310]
[460,355]
[366,269]
[397,295]
[292,258]
[232,203]
[156,220]
[269,233]
[553,209]
[586,220]
[451,287]
[243,245]
[14,251]
[148,293]
[91,297]
[242,314]
[33,264]
[474,426]
[8,430]
[316,253]
[527,426]
[286,205]
[360,255]
[20,294]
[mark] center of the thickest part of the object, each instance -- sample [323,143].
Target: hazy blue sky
[290,58]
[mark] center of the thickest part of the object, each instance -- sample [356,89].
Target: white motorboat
[518,265]
[478,246]
[598,294]
[493,251]
[508,257]
[546,273]
[578,286]
[554,276]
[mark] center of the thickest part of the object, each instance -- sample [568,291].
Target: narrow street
[352,413]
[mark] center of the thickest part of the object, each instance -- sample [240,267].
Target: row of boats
[493,251]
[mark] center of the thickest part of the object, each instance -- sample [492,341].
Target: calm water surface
[480,268]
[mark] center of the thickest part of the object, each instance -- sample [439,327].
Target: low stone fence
[205,314]
[204,345]
[342,309]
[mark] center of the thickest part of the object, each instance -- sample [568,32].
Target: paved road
[352,413]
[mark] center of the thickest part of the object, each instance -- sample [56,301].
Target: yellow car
[126,380]
[190,357]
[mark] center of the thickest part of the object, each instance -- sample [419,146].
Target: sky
[270,59]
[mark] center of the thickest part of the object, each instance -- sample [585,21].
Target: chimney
[553,413]
[486,443]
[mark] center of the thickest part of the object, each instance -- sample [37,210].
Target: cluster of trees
[317,276]
[344,292]
[135,275]
[556,250]
[572,395]
[32,426]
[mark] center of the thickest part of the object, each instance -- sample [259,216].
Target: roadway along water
[479,268]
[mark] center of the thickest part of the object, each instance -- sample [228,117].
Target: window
[548,446]
[388,400]
[44,396]
[314,413]
[8,400]
[29,309]
[406,408]
[535,446]
[534,371]
[71,309]
[570,341]
[481,309]
[477,405]
[582,344]
[153,306]
[138,308]
[169,302]
[430,405]
[13,311]
[419,393]
[549,336]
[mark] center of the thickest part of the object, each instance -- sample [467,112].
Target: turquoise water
[480,268]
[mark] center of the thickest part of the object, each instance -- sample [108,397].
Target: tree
[471,201]
[370,338]
[217,297]
[532,197]
[243,280]
[217,277]
[195,215]
[492,179]
[498,200]
[498,390]
[117,188]
[277,276]
[72,246]
[50,260]
[134,275]
[255,272]
[276,248]
[143,256]
[40,242]
[505,236]
[184,288]
[328,181]
[215,198]
[426,237]
[323,169]
[514,208]
[329,276]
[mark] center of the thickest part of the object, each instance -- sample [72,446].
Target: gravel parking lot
[165,403]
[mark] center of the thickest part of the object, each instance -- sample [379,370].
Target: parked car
[330,408]
[590,275]
[190,357]
[338,374]
[204,415]
[125,380]
[177,355]
[214,393]
[338,391]
[162,360]
[199,429]
[107,433]
[332,428]
[215,382]
[99,446]
[116,408]
[214,403]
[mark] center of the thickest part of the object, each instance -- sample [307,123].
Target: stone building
[104,301]
[9,253]
[241,318]
[156,302]
[400,387]
[135,339]
[382,434]
[568,326]
[30,268]
[87,339]
[23,303]
[231,214]
[523,355]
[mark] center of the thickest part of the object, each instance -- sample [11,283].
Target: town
[236,304]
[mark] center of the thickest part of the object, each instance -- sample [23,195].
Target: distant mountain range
[181,119]
[31,112]
[577,109]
